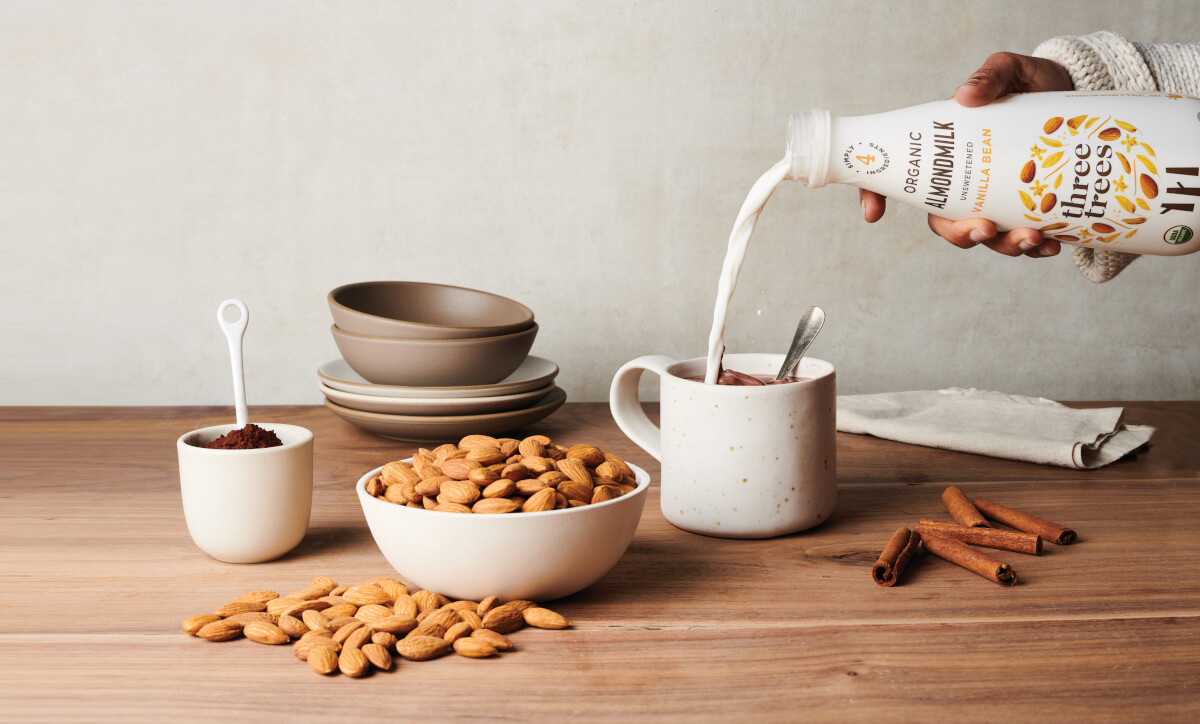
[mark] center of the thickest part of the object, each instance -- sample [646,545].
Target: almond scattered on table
[193,624]
[265,633]
[220,631]
[323,659]
[388,621]
[474,648]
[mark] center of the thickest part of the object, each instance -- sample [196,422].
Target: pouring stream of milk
[743,229]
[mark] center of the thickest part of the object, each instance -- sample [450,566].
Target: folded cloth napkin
[993,423]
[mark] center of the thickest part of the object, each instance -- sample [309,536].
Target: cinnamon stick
[895,556]
[961,554]
[1045,529]
[1005,540]
[960,508]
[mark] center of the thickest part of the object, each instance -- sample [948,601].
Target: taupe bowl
[420,310]
[435,362]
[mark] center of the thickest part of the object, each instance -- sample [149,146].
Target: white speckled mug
[737,462]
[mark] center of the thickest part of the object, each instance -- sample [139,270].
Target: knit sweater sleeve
[1175,66]
[1107,61]
[1100,61]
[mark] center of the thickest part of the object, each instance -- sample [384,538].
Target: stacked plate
[431,363]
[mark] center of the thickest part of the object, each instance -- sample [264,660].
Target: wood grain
[98,572]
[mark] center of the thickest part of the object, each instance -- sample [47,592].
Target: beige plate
[419,406]
[533,373]
[416,428]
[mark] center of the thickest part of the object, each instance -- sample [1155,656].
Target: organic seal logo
[1178,234]
[1111,177]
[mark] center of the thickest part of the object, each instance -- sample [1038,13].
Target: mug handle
[627,408]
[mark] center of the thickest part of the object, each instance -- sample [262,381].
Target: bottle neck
[808,148]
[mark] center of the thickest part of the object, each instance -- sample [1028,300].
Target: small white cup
[246,506]
[737,462]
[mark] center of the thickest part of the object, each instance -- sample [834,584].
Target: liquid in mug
[758,380]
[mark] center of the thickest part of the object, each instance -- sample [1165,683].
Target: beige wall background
[587,159]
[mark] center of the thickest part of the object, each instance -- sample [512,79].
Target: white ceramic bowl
[246,506]
[535,556]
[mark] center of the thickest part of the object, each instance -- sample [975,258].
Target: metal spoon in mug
[810,324]
[233,334]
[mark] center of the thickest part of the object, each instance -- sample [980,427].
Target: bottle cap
[808,147]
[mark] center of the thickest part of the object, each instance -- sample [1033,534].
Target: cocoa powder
[250,437]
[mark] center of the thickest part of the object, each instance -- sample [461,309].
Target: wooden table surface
[99,571]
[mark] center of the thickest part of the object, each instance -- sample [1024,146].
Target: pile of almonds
[354,629]
[483,474]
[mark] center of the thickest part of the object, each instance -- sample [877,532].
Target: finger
[1048,247]
[1046,75]
[873,205]
[1016,242]
[1000,74]
[963,234]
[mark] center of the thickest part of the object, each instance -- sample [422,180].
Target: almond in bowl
[522,519]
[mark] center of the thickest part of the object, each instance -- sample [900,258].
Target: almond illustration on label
[1149,186]
[1028,171]
[1102,228]
[1109,134]
[1048,202]
[1053,124]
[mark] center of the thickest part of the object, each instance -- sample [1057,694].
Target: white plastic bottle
[1109,169]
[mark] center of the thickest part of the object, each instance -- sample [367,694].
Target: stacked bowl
[428,362]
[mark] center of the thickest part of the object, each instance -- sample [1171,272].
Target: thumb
[999,75]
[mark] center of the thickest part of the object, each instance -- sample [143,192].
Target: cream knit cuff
[1175,66]
[1099,61]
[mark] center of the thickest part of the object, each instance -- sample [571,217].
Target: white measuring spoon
[233,334]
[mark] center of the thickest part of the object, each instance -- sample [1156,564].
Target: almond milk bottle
[1108,169]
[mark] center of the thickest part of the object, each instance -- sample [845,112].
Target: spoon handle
[233,334]
[806,331]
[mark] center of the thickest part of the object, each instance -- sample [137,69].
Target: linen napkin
[1033,429]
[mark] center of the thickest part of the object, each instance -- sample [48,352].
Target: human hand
[1001,74]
